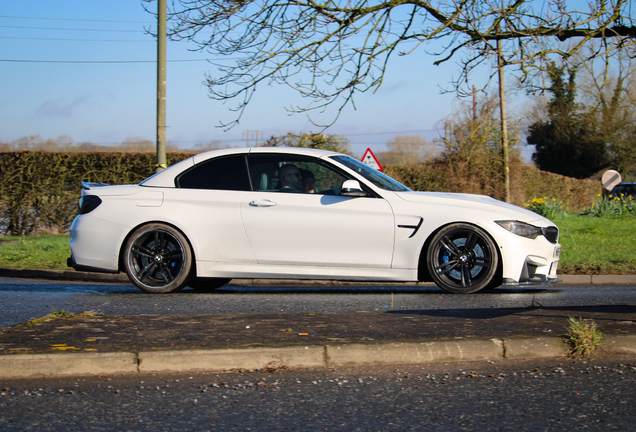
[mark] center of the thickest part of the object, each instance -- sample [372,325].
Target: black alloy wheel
[462,259]
[158,259]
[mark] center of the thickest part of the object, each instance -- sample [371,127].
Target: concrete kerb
[414,353]
[67,364]
[228,359]
[316,356]
[533,347]
[619,344]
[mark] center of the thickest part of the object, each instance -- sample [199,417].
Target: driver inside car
[290,179]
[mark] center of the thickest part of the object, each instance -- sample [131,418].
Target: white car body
[267,234]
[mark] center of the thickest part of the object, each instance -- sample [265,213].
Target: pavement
[136,344]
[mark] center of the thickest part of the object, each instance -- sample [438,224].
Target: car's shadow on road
[31,286]
[431,290]
[611,313]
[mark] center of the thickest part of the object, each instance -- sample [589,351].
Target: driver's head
[289,176]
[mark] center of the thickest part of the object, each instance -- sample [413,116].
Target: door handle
[262,203]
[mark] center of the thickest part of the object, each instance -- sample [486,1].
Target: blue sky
[51,87]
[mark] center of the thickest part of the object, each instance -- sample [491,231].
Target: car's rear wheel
[462,259]
[207,284]
[158,258]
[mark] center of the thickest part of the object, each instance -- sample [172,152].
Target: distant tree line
[580,135]
[66,144]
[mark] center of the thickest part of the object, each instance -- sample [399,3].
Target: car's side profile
[242,213]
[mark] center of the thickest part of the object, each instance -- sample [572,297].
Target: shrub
[526,182]
[583,335]
[548,208]
[612,206]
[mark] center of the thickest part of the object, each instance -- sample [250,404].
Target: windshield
[624,189]
[374,176]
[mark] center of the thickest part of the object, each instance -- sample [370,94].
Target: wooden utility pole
[246,135]
[161,85]
[504,123]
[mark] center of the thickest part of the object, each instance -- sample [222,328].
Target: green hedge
[39,190]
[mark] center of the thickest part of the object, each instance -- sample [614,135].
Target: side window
[314,175]
[223,173]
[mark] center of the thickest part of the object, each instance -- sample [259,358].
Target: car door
[208,199]
[322,229]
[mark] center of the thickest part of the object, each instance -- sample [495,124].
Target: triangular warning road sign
[370,159]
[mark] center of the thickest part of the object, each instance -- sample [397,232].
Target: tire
[207,284]
[158,259]
[462,259]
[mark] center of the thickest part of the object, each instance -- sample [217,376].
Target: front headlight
[521,228]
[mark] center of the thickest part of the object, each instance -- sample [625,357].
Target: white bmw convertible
[303,214]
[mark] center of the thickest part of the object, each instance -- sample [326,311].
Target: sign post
[370,159]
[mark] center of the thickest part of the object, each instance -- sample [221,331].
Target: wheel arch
[120,258]
[422,269]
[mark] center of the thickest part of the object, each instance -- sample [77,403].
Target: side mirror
[352,188]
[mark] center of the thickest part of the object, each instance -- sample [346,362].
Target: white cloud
[61,107]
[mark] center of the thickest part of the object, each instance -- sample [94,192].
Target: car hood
[502,210]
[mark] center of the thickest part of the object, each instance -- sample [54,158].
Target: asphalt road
[551,394]
[21,300]
[538,395]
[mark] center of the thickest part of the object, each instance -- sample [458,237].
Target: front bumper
[537,280]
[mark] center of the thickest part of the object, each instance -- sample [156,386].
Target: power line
[77,19]
[96,61]
[71,29]
[77,40]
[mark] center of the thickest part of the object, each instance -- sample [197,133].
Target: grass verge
[48,252]
[592,245]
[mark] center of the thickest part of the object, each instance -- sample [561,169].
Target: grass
[61,314]
[583,336]
[590,245]
[35,252]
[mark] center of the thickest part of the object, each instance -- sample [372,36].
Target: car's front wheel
[462,259]
[158,258]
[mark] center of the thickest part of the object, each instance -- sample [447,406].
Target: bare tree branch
[331,50]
